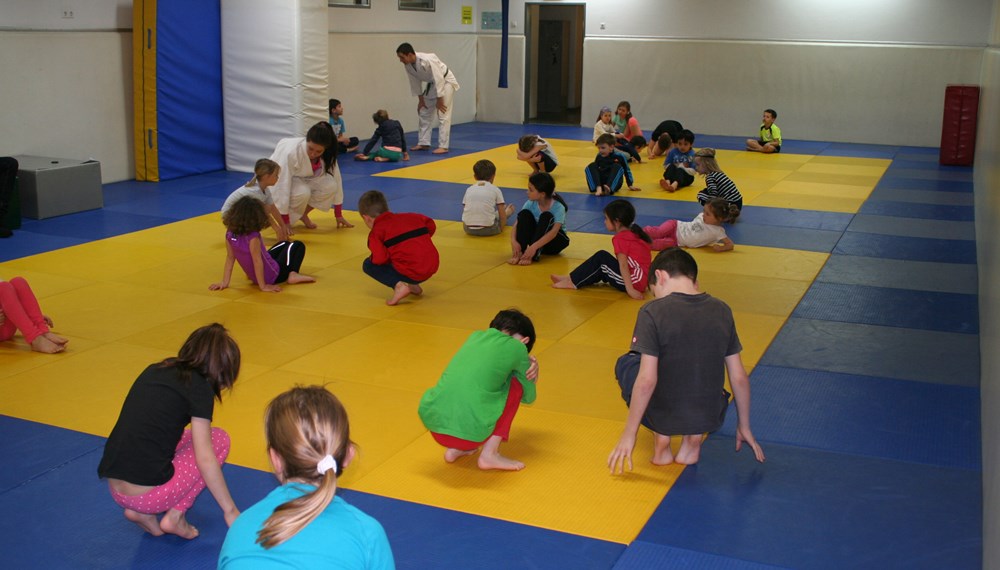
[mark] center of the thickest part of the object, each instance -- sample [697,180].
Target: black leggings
[529,231]
[8,173]
[289,255]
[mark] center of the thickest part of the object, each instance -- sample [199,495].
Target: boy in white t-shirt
[484,212]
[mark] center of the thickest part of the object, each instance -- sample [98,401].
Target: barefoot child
[403,255]
[534,150]
[151,462]
[484,212]
[344,142]
[631,257]
[265,174]
[393,147]
[540,223]
[19,310]
[678,167]
[305,523]
[475,400]
[674,375]
[769,140]
[706,228]
[609,170]
[717,184]
[265,268]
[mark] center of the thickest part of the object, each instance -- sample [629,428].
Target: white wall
[987,181]
[376,79]
[493,103]
[66,15]
[833,92]
[385,17]
[68,95]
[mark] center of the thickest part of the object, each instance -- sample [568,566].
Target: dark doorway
[554,83]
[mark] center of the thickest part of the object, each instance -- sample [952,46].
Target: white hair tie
[326,464]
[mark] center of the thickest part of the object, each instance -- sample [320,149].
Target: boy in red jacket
[403,255]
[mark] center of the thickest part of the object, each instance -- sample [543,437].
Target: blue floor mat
[57,468]
[644,555]
[949,174]
[870,350]
[907,248]
[915,275]
[911,210]
[904,183]
[814,509]
[927,310]
[913,227]
[862,415]
[922,196]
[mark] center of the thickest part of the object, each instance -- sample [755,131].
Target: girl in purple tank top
[265,268]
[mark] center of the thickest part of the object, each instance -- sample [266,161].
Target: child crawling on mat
[475,400]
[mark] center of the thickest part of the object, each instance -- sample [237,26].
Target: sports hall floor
[853,283]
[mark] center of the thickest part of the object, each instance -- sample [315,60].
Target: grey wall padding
[832,92]
[274,82]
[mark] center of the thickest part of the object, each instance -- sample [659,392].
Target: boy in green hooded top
[477,396]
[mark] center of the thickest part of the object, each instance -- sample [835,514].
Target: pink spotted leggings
[21,311]
[183,488]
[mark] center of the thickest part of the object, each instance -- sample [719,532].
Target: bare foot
[509,208]
[661,450]
[557,278]
[399,292]
[380,159]
[564,284]
[147,523]
[174,523]
[524,261]
[450,455]
[415,289]
[599,191]
[439,150]
[294,277]
[489,461]
[56,338]
[361,157]
[674,186]
[690,450]
[665,185]
[43,344]
[307,222]
[514,260]
[419,147]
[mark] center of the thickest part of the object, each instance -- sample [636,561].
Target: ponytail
[640,233]
[307,427]
[289,518]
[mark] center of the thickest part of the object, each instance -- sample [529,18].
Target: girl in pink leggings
[19,310]
[152,463]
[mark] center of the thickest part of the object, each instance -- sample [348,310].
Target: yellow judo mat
[798,181]
[131,300]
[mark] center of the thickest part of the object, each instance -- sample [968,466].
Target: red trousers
[21,311]
[502,427]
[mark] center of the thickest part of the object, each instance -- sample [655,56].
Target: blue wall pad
[890,181]
[913,227]
[887,352]
[189,88]
[915,275]
[644,555]
[817,510]
[910,210]
[928,310]
[922,196]
[863,415]
[907,248]
[33,449]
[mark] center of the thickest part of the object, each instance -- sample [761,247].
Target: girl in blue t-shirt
[304,523]
[540,223]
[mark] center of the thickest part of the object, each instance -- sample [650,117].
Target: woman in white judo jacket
[309,177]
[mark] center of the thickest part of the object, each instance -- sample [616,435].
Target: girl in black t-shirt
[152,463]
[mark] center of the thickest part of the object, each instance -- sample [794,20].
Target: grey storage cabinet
[56,186]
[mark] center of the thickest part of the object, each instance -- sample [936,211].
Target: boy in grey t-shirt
[673,378]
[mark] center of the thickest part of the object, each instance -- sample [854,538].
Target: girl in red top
[632,256]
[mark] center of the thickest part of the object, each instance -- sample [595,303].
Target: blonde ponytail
[308,428]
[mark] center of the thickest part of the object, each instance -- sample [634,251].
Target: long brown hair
[211,352]
[303,426]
